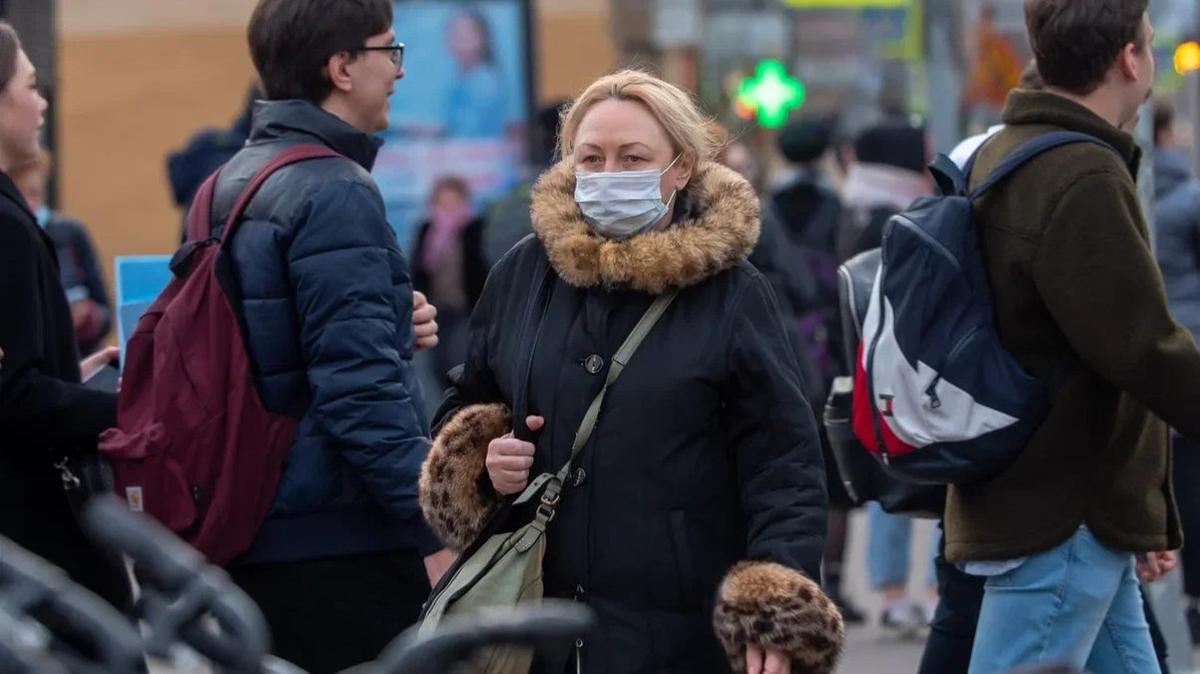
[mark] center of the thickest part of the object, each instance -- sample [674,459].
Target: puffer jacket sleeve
[456,495]
[772,599]
[357,346]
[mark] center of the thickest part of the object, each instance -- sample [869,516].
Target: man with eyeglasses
[344,560]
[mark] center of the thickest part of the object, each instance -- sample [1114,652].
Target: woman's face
[466,41]
[617,135]
[21,108]
[448,200]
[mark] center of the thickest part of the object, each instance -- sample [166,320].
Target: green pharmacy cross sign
[769,95]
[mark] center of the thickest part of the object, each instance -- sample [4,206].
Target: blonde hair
[677,112]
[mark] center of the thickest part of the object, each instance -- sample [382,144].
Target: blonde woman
[699,501]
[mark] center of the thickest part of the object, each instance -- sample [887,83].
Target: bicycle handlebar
[460,638]
[83,631]
[180,589]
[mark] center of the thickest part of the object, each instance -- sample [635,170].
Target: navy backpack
[936,395]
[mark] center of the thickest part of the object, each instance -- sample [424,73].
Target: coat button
[593,364]
[580,476]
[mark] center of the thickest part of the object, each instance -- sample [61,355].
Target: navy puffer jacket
[326,298]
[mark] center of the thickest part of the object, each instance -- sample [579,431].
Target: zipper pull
[934,401]
[69,480]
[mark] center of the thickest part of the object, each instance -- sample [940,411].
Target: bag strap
[292,155]
[199,219]
[539,296]
[553,483]
[1027,152]
[954,181]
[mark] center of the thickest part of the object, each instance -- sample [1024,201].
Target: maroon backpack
[194,447]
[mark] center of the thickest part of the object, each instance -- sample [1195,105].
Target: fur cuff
[769,605]
[455,493]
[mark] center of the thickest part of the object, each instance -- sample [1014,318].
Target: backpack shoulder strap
[1027,152]
[291,155]
[199,218]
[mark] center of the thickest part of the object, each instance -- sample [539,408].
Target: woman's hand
[89,366]
[509,460]
[761,660]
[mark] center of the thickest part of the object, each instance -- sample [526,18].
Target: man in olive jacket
[1077,291]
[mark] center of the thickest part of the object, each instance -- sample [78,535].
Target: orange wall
[125,102]
[135,81]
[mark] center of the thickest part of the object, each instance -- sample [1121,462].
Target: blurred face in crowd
[449,199]
[622,135]
[466,40]
[363,84]
[21,114]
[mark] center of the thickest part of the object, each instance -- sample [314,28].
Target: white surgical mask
[620,204]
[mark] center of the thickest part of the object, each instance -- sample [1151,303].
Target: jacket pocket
[685,562]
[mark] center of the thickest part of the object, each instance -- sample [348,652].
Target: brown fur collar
[720,230]
[770,605]
[454,490]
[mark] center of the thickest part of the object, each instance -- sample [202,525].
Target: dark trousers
[952,633]
[1186,477]
[330,614]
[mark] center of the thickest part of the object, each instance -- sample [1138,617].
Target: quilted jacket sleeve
[356,345]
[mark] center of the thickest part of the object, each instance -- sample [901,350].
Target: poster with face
[461,110]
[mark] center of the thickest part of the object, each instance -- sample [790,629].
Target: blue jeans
[1077,604]
[889,548]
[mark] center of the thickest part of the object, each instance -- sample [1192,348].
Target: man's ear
[1127,62]
[337,70]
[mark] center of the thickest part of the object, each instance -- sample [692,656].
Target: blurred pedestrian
[704,452]
[1177,230]
[887,174]
[448,267]
[79,269]
[205,152]
[344,560]
[1078,298]
[810,212]
[507,221]
[47,416]
[774,255]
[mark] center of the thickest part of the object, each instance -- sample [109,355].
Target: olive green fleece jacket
[1074,281]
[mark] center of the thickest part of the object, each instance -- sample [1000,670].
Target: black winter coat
[705,453]
[45,413]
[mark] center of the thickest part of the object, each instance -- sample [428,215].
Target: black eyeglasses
[396,52]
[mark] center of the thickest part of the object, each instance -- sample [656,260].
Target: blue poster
[461,109]
[139,280]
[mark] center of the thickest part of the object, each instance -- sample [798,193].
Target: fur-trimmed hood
[716,228]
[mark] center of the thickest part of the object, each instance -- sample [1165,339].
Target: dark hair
[10,49]
[292,40]
[1164,118]
[1076,42]
[450,184]
[485,31]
